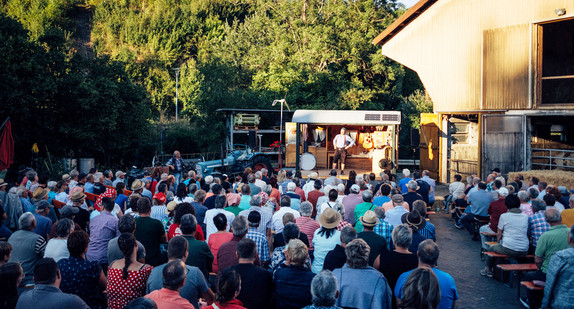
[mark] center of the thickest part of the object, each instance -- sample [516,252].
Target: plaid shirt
[429,231]
[343,224]
[261,242]
[385,229]
[537,226]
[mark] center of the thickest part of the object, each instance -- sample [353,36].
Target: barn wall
[445,47]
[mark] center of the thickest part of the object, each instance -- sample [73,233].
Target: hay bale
[552,177]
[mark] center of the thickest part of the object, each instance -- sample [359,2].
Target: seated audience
[228,287]
[174,274]
[279,240]
[46,290]
[324,291]
[219,238]
[253,220]
[199,254]
[512,234]
[195,286]
[383,228]
[495,210]
[360,209]
[479,202]
[373,290]
[10,276]
[326,238]
[5,252]
[336,258]
[376,243]
[306,224]
[126,224]
[537,225]
[290,231]
[23,251]
[560,278]
[150,233]
[57,247]
[126,278]
[421,290]
[43,223]
[395,262]
[416,222]
[102,228]
[393,215]
[80,276]
[179,211]
[256,285]
[428,254]
[219,202]
[226,256]
[292,282]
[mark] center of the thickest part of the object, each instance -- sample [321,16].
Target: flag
[6,146]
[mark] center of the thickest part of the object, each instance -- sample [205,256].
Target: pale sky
[408,3]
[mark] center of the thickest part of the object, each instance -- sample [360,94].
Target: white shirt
[394,215]
[57,249]
[260,183]
[343,140]
[158,212]
[308,187]
[277,219]
[558,206]
[62,197]
[72,184]
[514,228]
[186,199]
[208,221]
[325,206]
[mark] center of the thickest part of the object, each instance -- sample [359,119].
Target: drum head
[308,161]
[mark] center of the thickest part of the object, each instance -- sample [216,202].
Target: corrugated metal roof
[403,21]
[347,117]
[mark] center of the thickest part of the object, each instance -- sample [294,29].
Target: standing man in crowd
[176,166]
[341,143]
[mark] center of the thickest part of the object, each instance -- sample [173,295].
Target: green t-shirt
[234,209]
[150,233]
[359,212]
[199,256]
[551,241]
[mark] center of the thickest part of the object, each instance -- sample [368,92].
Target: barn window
[557,63]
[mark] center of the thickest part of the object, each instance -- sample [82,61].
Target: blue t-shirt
[448,290]
[403,184]
[122,201]
[380,200]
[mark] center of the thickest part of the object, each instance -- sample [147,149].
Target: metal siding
[505,68]
[444,45]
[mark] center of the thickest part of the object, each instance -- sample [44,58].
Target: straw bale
[552,177]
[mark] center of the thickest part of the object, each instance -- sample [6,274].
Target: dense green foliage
[232,53]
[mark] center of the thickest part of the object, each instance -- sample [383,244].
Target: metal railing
[552,160]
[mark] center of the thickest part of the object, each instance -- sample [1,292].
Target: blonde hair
[281,176]
[297,252]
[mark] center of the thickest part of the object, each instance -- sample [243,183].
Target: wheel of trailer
[261,162]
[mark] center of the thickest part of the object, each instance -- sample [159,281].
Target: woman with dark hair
[512,234]
[121,198]
[11,275]
[179,211]
[80,276]
[350,182]
[126,278]
[421,290]
[181,195]
[228,287]
[219,238]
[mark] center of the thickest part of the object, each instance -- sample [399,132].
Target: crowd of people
[255,241]
[522,217]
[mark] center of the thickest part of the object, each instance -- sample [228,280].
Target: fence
[552,159]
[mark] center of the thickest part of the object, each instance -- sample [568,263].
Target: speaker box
[252,139]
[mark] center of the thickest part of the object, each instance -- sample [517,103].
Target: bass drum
[308,161]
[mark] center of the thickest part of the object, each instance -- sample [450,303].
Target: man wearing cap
[350,202]
[341,143]
[119,178]
[377,243]
[260,240]
[393,216]
[41,194]
[137,186]
[176,166]
[82,216]
[43,223]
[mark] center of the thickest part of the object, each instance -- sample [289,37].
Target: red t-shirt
[175,231]
[312,197]
[496,209]
[214,242]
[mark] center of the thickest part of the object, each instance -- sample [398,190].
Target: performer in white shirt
[341,143]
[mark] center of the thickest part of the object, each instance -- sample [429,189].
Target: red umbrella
[6,145]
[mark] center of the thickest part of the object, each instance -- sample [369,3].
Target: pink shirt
[308,226]
[526,209]
[214,242]
[166,298]
[389,205]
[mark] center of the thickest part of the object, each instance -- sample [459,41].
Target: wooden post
[297,147]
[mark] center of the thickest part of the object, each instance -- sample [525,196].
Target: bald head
[552,216]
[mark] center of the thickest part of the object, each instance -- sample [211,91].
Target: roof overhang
[401,22]
[341,117]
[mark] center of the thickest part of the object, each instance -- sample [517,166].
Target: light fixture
[560,11]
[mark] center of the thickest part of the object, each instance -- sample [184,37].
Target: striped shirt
[308,227]
[261,242]
[158,212]
[429,231]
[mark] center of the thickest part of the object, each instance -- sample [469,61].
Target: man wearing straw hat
[82,217]
[376,242]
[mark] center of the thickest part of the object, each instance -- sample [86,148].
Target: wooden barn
[501,77]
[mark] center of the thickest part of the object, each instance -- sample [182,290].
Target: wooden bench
[491,243]
[515,270]
[504,256]
[110,187]
[488,234]
[530,286]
